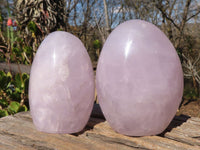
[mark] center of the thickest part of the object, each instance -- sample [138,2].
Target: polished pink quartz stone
[61,88]
[139,79]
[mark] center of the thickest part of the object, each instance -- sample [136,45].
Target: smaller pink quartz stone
[139,79]
[61,89]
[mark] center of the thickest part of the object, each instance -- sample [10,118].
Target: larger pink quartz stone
[139,79]
[61,90]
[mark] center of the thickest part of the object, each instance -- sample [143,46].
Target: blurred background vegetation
[25,23]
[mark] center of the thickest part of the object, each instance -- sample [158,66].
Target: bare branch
[161,8]
[100,31]
[192,16]
[196,59]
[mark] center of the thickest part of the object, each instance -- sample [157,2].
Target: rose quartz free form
[61,90]
[139,79]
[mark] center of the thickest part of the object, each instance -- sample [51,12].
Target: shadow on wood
[18,132]
[176,122]
[95,118]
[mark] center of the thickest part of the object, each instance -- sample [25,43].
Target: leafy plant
[3,113]
[15,107]
[13,93]
[21,53]
[190,93]
[97,44]
[32,27]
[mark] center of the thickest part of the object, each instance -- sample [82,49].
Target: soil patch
[190,108]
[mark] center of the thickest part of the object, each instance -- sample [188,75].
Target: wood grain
[21,68]
[15,68]
[18,133]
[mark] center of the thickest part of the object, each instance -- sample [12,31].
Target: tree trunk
[106,18]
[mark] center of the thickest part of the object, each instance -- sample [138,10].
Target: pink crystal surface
[61,88]
[139,79]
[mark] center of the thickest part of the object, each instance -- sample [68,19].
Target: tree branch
[160,7]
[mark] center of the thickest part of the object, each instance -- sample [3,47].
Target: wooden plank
[5,147]
[7,142]
[18,130]
[33,138]
[183,138]
[188,132]
[104,145]
[104,132]
[18,142]
[16,68]
[20,126]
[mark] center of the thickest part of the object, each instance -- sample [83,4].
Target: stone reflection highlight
[61,88]
[139,79]
[127,49]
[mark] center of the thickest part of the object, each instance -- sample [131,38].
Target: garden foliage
[13,93]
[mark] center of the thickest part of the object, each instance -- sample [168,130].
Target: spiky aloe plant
[36,18]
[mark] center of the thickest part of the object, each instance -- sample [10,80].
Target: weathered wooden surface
[21,68]
[16,68]
[18,133]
